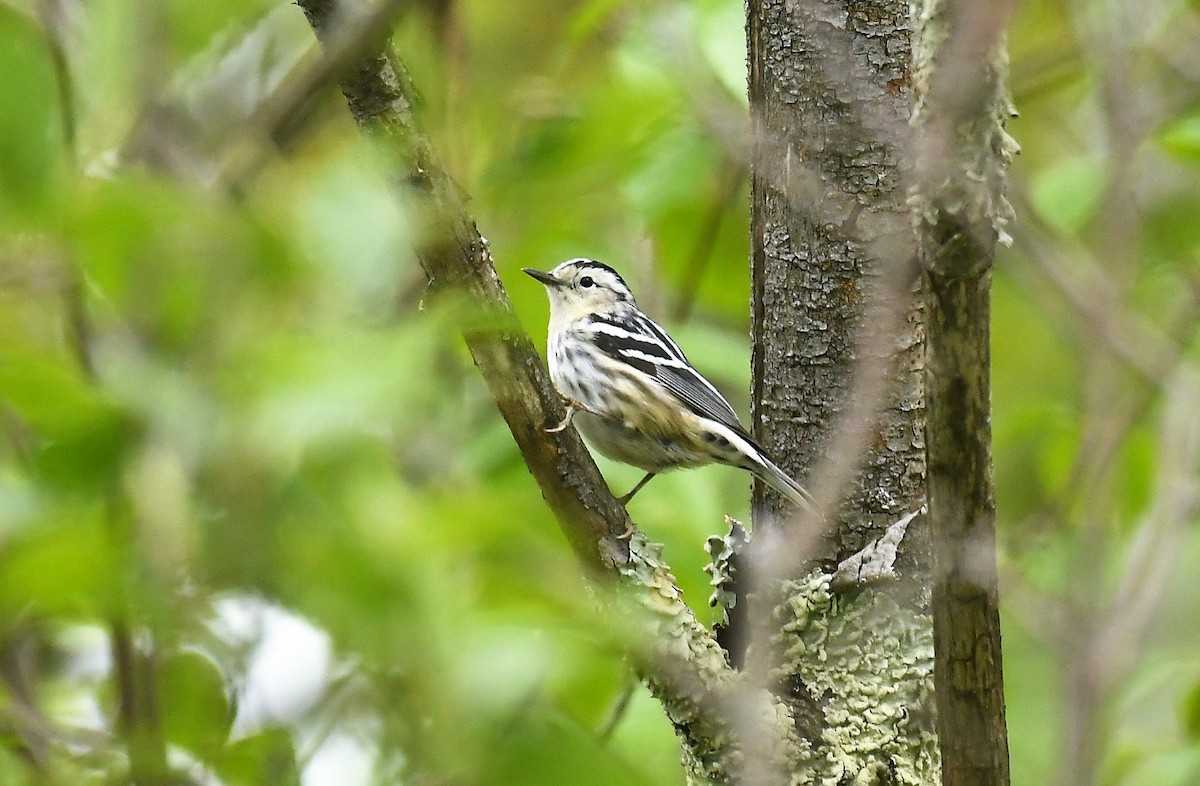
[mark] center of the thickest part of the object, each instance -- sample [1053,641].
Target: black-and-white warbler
[630,390]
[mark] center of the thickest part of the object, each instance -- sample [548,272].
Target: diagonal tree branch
[456,259]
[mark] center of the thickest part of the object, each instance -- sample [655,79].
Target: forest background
[238,418]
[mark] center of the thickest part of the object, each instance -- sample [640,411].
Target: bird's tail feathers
[744,452]
[783,483]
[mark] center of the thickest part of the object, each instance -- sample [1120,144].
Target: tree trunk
[840,381]
[960,212]
[830,99]
[833,319]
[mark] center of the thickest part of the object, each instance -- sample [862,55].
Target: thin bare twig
[1088,290]
[54,16]
[252,142]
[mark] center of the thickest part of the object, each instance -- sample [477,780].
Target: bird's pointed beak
[546,278]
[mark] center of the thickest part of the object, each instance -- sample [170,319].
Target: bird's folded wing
[645,346]
[699,395]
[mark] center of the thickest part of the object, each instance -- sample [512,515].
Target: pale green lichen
[869,663]
[687,671]
[721,551]
[671,620]
[685,667]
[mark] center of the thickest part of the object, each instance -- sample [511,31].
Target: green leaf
[267,758]
[177,267]
[1181,138]
[83,435]
[1189,713]
[548,748]
[63,565]
[194,702]
[1067,193]
[722,39]
[30,140]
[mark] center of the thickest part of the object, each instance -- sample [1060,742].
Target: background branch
[961,211]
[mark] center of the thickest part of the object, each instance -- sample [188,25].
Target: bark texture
[960,213]
[833,87]
[830,101]
[838,365]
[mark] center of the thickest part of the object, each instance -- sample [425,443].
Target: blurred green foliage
[219,413]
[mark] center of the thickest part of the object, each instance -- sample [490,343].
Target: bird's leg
[625,499]
[572,408]
[629,530]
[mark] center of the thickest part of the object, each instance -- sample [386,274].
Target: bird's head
[579,287]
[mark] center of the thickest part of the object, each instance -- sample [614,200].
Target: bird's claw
[566,421]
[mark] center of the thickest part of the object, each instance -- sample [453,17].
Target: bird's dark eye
[586,281]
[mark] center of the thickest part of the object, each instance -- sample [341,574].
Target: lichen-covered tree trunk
[835,318]
[839,370]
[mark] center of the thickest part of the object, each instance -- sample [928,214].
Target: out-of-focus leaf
[178,267]
[1189,713]
[30,140]
[1067,193]
[194,703]
[15,770]
[546,748]
[1123,760]
[1144,766]
[81,435]
[267,758]
[1060,442]
[1135,470]
[590,19]
[586,678]
[350,224]
[1181,138]
[503,667]
[644,735]
[722,39]
[64,564]
[304,389]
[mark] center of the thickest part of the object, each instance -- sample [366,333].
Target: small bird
[631,391]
